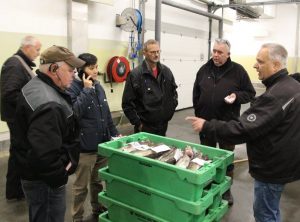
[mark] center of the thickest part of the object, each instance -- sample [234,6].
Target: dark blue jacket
[91,107]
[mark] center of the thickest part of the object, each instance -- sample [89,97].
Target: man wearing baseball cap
[47,135]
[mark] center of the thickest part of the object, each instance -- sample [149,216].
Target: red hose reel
[117,69]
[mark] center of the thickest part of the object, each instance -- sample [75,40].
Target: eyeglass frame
[154,52]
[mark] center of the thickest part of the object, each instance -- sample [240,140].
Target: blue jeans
[46,204]
[266,201]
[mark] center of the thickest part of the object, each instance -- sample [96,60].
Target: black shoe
[228,196]
[14,199]
[91,218]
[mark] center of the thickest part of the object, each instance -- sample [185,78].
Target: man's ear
[277,65]
[53,67]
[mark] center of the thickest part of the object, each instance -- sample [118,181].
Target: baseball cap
[60,54]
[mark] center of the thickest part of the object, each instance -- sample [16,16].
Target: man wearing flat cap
[47,136]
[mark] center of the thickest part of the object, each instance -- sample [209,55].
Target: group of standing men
[56,121]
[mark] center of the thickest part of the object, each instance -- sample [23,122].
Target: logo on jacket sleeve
[251,117]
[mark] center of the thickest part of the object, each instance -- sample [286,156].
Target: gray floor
[242,187]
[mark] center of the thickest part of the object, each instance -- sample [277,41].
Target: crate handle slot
[145,164]
[145,192]
[142,217]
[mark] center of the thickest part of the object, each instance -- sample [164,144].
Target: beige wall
[248,61]
[103,49]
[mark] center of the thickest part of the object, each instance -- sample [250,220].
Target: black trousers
[13,180]
[208,141]
[157,128]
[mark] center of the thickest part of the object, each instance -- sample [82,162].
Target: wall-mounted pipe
[158,20]
[142,10]
[258,3]
[297,40]
[191,9]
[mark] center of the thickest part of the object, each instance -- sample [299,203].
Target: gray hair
[44,68]
[28,40]
[277,53]
[223,41]
[150,42]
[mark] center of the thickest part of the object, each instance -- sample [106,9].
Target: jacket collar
[147,70]
[25,58]
[275,77]
[49,81]
[220,70]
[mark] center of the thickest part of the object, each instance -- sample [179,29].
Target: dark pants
[45,203]
[208,141]
[13,180]
[158,128]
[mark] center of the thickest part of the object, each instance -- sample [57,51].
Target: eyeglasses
[223,41]
[155,52]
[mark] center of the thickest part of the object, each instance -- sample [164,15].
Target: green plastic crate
[120,212]
[161,204]
[166,177]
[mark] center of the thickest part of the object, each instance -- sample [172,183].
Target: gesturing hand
[197,123]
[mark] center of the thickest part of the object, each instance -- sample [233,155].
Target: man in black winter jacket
[271,129]
[221,86]
[47,144]
[150,96]
[15,73]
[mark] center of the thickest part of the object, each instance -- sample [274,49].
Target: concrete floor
[242,187]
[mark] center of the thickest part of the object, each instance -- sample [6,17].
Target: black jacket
[147,99]
[47,133]
[91,107]
[271,128]
[214,83]
[13,77]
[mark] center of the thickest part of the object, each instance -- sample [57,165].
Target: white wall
[248,35]
[46,17]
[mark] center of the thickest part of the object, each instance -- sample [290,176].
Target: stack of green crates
[143,189]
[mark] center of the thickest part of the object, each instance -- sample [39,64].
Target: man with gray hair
[221,86]
[47,139]
[271,129]
[15,73]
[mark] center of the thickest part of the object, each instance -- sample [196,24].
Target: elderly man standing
[150,96]
[271,129]
[221,86]
[47,144]
[15,73]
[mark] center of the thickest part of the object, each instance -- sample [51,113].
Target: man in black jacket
[271,129]
[15,73]
[150,96]
[221,86]
[47,144]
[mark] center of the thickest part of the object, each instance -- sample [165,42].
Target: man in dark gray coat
[150,97]
[15,73]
